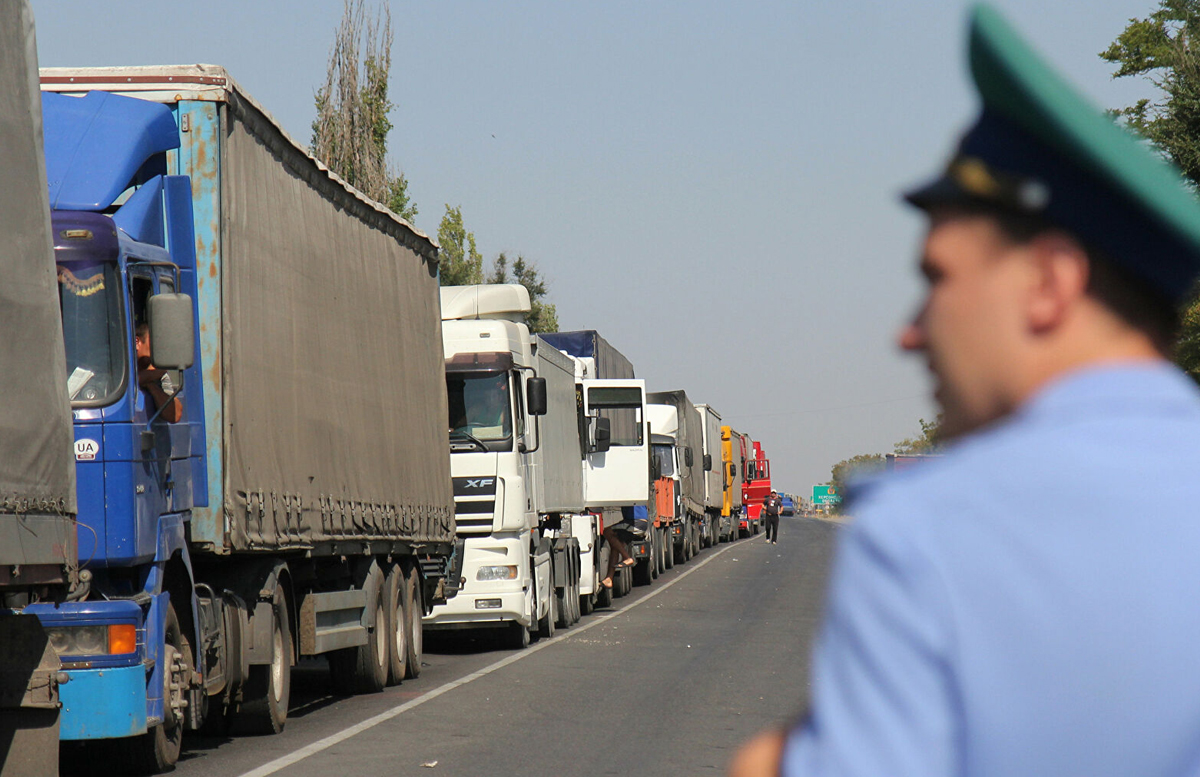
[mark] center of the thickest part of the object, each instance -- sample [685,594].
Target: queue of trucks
[288,441]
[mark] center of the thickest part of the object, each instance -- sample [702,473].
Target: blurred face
[971,323]
[141,342]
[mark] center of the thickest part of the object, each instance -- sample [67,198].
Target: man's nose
[912,336]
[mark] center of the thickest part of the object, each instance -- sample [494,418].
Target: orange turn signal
[122,638]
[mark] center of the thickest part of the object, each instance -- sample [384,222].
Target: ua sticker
[86,450]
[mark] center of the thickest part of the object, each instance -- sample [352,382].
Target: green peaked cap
[1014,80]
[1038,134]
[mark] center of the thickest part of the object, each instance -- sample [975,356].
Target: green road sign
[826,495]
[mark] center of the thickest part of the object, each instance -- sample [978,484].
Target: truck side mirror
[603,435]
[687,457]
[655,468]
[732,471]
[708,462]
[535,395]
[172,331]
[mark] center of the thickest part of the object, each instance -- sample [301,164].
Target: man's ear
[1059,279]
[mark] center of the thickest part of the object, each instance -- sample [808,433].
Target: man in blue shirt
[1026,605]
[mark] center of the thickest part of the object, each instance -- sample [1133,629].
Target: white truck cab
[514,459]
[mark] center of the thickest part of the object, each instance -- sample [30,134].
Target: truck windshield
[666,463]
[623,407]
[480,410]
[93,331]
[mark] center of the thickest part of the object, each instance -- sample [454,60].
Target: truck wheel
[518,636]
[562,597]
[398,628]
[364,669]
[545,624]
[669,549]
[641,572]
[157,750]
[604,596]
[416,626]
[586,604]
[268,688]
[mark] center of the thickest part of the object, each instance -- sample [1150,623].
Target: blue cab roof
[581,344]
[96,145]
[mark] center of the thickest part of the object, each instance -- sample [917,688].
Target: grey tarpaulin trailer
[37,470]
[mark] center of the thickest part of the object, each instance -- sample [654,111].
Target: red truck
[755,488]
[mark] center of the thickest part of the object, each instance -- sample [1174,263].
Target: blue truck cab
[124,243]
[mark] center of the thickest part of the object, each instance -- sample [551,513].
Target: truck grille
[474,516]
[474,504]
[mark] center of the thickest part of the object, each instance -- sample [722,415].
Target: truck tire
[562,597]
[416,624]
[668,549]
[545,624]
[586,604]
[655,553]
[268,687]
[576,613]
[623,582]
[604,596]
[517,636]
[398,627]
[157,750]
[641,572]
[364,669]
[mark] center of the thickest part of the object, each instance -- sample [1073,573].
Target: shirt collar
[1114,389]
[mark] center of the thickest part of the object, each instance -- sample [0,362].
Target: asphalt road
[668,681]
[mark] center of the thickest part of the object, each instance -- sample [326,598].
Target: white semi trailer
[714,486]
[533,453]
[515,463]
[615,441]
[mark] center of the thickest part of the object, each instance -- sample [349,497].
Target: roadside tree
[543,317]
[1163,49]
[350,131]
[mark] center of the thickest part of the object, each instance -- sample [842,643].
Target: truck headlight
[93,640]
[508,572]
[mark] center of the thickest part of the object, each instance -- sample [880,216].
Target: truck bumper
[469,610]
[103,703]
[489,602]
[105,696]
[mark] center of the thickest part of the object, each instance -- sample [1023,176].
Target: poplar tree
[543,317]
[459,261]
[350,131]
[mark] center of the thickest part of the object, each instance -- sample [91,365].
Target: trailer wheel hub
[176,683]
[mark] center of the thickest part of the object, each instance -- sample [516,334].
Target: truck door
[620,475]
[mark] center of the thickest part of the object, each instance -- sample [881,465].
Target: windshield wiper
[469,437]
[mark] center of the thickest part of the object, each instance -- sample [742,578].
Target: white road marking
[323,744]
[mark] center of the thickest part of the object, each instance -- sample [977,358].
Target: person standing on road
[1024,605]
[771,506]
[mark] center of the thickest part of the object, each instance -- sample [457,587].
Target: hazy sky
[712,185]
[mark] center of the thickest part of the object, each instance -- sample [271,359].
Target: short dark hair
[1126,295]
